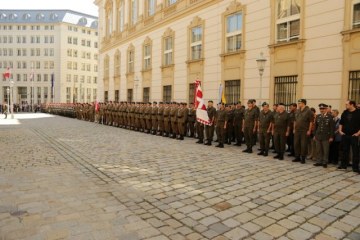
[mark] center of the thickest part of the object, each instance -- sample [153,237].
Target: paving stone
[231,223]
[298,234]
[251,227]
[334,232]
[209,220]
[263,221]
[311,228]
[275,230]
[262,236]
[237,234]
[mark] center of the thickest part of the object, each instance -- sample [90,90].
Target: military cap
[302,100]
[323,105]
[239,102]
[281,104]
[211,101]
[160,102]
[250,101]
[264,104]
[154,102]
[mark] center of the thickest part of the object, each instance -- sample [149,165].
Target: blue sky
[84,6]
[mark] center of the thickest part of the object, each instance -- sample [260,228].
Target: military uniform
[280,130]
[229,132]
[238,121]
[182,114]
[221,124]
[191,121]
[173,118]
[160,117]
[154,118]
[209,130]
[303,120]
[167,120]
[324,131]
[249,127]
[290,138]
[264,130]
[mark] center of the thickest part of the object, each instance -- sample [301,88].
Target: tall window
[356,14]
[134,11]
[106,67]
[117,64]
[109,17]
[94,94]
[168,51]
[106,96]
[354,86]
[117,95]
[288,20]
[233,32]
[146,94]
[151,6]
[191,92]
[68,94]
[170,2]
[232,91]
[147,57]
[131,61]
[129,95]
[196,43]
[285,90]
[121,16]
[167,93]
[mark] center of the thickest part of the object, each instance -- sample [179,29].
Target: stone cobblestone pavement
[63,178]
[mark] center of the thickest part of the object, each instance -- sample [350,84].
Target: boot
[281,156]
[208,143]
[265,153]
[200,141]
[297,159]
[303,159]
[261,153]
[277,156]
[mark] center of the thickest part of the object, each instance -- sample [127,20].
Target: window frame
[287,20]
[233,34]
[355,25]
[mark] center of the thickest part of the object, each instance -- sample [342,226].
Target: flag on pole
[7,73]
[201,113]
[222,98]
[31,75]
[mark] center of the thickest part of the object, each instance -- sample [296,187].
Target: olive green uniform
[265,120]
[324,130]
[281,126]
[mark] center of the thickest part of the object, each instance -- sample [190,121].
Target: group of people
[300,130]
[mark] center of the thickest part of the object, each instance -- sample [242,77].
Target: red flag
[7,74]
[97,106]
[201,113]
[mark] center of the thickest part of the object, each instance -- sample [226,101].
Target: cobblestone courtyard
[62,178]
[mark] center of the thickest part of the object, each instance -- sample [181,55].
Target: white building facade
[52,56]
[155,49]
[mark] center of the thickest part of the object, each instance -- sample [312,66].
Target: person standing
[160,118]
[229,127]
[280,130]
[209,129]
[5,110]
[335,145]
[290,138]
[167,125]
[264,129]
[302,130]
[238,121]
[349,129]
[250,122]
[221,122]
[182,114]
[323,135]
[191,120]
[154,118]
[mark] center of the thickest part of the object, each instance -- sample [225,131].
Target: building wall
[59,31]
[320,59]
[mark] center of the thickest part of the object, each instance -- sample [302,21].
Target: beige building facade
[52,56]
[156,49]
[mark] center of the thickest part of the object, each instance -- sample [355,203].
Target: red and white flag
[7,73]
[201,113]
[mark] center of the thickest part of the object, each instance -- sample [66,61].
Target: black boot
[200,141]
[297,159]
[265,153]
[276,156]
[261,153]
[303,159]
[281,156]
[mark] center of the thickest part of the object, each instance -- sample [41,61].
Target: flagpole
[32,86]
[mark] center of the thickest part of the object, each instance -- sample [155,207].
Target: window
[151,7]
[170,2]
[354,86]
[45,93]
[288,20]
[134,11]
[147,57]
[233,32]
[116,95]
[75,65]
[46,77]
[106,96]
[146,94]
[285,90]
[88,79]
[24,39]
[46,65]
[131,61]
[38,52]
[95,80]
[121,16]
[39,94]
[75,41]
[83,41]
[168,51]
[46,39]
[106,67]
[109,22]
[117,65]
[69,65]
[94,94]
[356,14]
[69,40]
[82,79]
[88,43]
[196,43]
[25,77]
[52,39]
[88,95]
[129,95]
[232,91]
[51,52]
[37,39]
[18,77]
[167,93]
[38,65]
[51,63]
[68,94]
[191,93]
[75,78]
[68,77]
[38,77]
[24,51]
